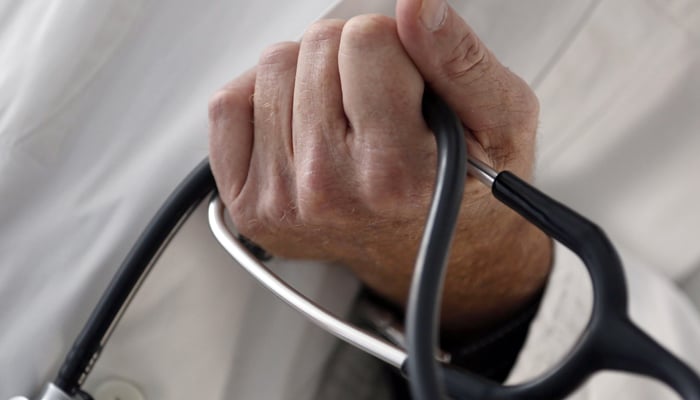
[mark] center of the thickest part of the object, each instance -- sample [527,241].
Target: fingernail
[433,14]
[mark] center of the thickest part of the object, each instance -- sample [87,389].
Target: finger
[382,88]
[267,199]
[496,105]
[318,106]
[273,100]
[319,125]
[231,134]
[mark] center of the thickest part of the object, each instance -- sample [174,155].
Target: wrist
[493,276]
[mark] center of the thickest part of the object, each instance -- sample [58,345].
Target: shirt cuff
[563,315]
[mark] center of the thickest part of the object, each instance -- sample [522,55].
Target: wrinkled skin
[320,152]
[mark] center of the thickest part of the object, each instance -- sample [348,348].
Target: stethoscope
[610,341]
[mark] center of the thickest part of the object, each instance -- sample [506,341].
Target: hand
[321,152]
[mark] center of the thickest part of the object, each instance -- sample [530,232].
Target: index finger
[231,134]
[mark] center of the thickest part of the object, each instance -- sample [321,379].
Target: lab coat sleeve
[655,303]
[563,314]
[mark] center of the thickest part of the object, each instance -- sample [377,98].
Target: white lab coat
[103,111]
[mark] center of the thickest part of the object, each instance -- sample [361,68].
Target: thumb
[495,105]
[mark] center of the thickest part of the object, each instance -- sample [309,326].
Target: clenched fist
[321,152]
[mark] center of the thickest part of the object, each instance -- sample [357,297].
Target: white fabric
[103,111]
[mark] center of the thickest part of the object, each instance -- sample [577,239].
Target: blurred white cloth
[103,111]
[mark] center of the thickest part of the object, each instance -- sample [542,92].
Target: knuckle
[281,54]
[384,187]
[324,30]
[268,213]
[315,208]
[467,56]
[274,208]
[222,102]
[314,204]
[368,30]
[381,196]
[317,192]
[246,224]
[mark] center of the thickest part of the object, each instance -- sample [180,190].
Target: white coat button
[117,390]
